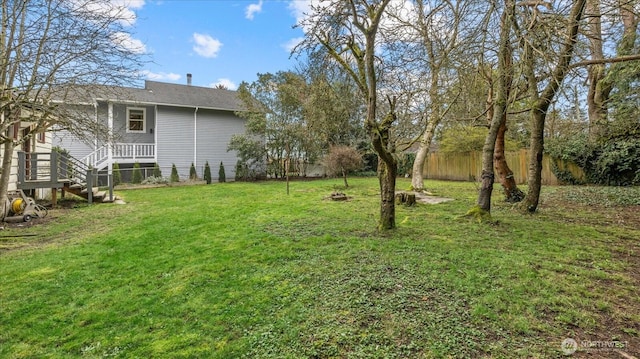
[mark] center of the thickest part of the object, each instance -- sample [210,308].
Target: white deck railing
[120,152]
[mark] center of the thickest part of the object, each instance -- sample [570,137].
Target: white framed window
[136,120]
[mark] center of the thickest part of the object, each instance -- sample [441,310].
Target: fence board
[468,167]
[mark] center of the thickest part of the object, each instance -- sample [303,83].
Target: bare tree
[347,31]
[499,108]
[529,34]
[53,52]
[429,40]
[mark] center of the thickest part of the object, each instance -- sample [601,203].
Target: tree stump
[408,199]
[337,196]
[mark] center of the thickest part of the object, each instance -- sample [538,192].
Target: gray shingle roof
[161,93]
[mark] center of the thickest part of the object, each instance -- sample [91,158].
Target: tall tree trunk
[417,174]
[512,193]
[630,19]
[598,93]
[366,78]
[5,175]
[387,174]
[499,108]
[417,179]
[536,149]
[505,176]
[387,168]
[541,103]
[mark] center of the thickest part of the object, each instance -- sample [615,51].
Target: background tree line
[387,77]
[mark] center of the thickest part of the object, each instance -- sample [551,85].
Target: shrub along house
[167,124]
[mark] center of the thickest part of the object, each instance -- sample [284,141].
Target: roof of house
[160,93]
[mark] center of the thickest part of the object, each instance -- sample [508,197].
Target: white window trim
[144,119]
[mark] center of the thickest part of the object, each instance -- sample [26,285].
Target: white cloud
[226,83]
[157,76]
[291,44]
[126,42]
[205,45]
[300,8]
[253,9]
[133,4]
[121,10]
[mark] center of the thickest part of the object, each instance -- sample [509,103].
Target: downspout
[109,133]
[109,149]
[195,137]
[155,134]
[95,118]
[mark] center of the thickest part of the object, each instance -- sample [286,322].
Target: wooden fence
[468,167]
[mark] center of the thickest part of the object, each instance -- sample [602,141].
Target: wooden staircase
[60,171]
[81,190]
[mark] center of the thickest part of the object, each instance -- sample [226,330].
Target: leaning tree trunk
[505,176]
[536,149]
[417,178]
[499,110]
[510,188]
[5,175]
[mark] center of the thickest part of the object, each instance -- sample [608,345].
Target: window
[41,137]
[136,120]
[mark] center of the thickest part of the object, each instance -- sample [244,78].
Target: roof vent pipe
[189,79]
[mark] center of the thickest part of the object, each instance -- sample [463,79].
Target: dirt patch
[426,198]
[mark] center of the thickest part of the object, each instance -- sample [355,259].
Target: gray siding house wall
[175,139]
[214,130]
[183,124]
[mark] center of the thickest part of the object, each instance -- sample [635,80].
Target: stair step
[106,199]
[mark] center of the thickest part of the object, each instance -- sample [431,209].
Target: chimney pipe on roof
[189,79]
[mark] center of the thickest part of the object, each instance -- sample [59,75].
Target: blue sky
[218,41]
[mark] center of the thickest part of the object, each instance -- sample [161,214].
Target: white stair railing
[127,152]
[97,159]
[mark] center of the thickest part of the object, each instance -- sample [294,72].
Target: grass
[239,270]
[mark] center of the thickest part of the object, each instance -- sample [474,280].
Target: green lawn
[241,270]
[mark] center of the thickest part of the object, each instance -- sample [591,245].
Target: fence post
[90,185]
[21,166]
[53,163]
[110,180]
[33,163]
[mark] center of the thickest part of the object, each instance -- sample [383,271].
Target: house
[33,143]
[167,124]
